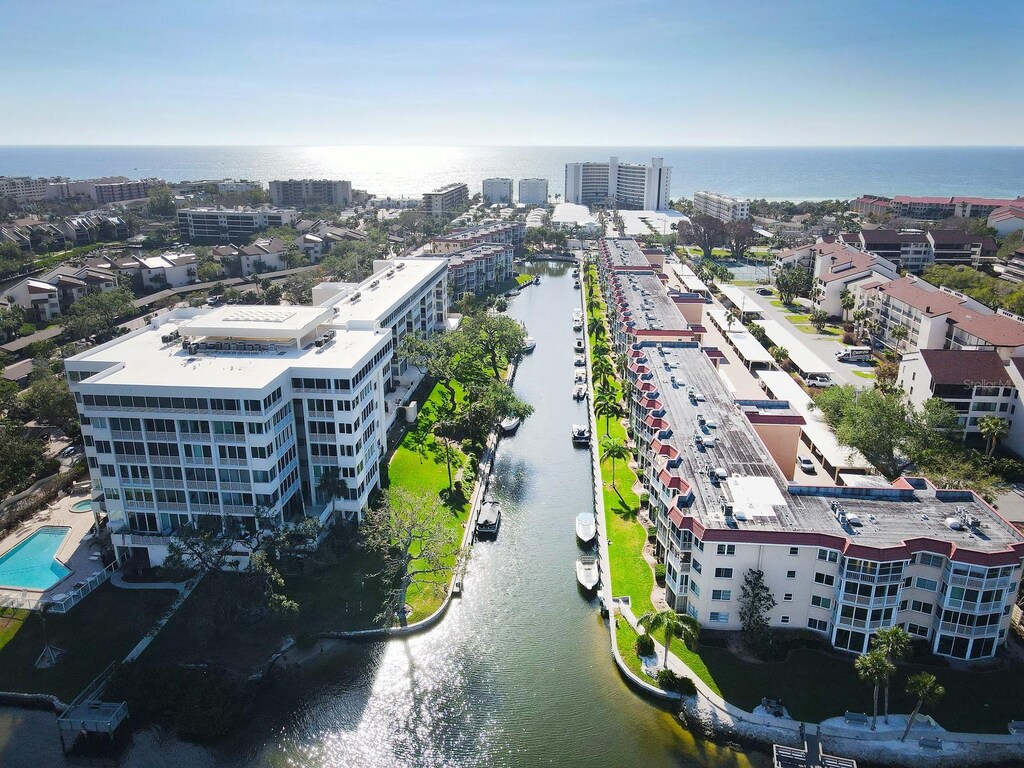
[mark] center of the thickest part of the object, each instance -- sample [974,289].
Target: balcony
[868,601]
[198,461]
[232,462]
[975,582]
[164,436]
[229,438]
[120,434]
[962,631]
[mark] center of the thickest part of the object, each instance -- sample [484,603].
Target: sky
[528,72]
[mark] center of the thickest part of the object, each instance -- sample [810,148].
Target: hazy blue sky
[629,72]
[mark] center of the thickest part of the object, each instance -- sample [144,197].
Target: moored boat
[579,392]
[586,527]
[529,344]
[588,572]
[489,520]
[510,425]
[580,434]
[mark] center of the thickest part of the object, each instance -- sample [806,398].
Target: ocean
[806,173]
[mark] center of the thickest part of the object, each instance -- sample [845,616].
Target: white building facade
[533,191]
[497,191]
[445,200]
[721,206]
[23,189]
[224,225]
[625,185]
[299,192]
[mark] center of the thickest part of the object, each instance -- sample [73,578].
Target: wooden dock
[808,757]
[87,714]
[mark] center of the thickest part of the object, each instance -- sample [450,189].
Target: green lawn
[816,686]
[99,630]
[864,374]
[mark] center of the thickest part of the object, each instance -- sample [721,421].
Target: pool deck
[73,553]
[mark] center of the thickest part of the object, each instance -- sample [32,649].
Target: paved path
[118,581]
[183,593]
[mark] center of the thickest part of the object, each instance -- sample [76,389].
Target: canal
[518,673]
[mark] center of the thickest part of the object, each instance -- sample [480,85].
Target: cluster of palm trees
[877,667]
[671,625]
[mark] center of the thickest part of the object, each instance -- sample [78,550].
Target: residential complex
[23,189]
[533,191]
[932,208]
[266,254]
[165,270]
[300,192]
[111,189]
[478,268]
[497,191]
[721,206]
[1007,220]
[914,250]
[206,415]
[510,232]
[223,225]
[622,185]
[840,561]
[50,294]
[446,200]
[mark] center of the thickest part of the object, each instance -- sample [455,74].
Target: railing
[236,486]
[196,437]
[229,438]
[200,461]
[962,631]
[121,434]
[226,462]
[82,592]
[971,607]
[135,504]
[170,461]
[885,601]
[976,582]
[168,436]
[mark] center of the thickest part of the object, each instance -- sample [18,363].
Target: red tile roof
[965,366]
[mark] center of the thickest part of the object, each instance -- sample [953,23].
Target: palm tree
[899,334]
[928,690]
[847,301]
[607,407]
[598,330]
[894,642]
[600,349]
[781,355]
[686,628]
[875,668]
[615,449]
[993,429]
[603,369]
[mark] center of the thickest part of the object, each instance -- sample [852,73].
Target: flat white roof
[737,296]
[375,302]
[799,354]
[749,348]
[257,322]
[571,213]
[689,279]
[783,387]
[142,359]
[663,222]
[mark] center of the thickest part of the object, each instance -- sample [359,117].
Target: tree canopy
[704,231]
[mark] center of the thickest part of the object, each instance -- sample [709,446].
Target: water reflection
[518,673]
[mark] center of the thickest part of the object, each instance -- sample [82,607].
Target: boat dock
[808,757]
[88,714]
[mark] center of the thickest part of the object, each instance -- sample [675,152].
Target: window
[717,617]
[930,584]
[695,587]
[920,607]
[793,551]
[824,578]
[696,566]
[790,574]
[828,555]
[724,595]
[784,620]
[917,629]
[727,549]
[819,624]
[933,561]
[787,597]
[821,602]
[723,573]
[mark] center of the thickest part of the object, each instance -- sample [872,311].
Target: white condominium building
[841,561]
[721,206]
[224,225]
[206,415]
[533,191]
[625,185]
[497,191]
[510,232]
[23,189]
[299,192]
[478,268]
[450,198]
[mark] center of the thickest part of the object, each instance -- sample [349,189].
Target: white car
[806,464]
[820,380]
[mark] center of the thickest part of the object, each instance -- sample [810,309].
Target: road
[822,346]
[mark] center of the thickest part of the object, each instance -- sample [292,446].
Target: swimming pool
[30,564]
[81,506]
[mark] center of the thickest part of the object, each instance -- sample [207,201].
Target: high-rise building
[23,189]
[533,191]
[721,206]
[622,185]
[206,415]
[299,192]
[451,198]
[497,191]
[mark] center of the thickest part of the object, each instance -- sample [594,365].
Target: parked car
[805,463]
[820,380]
[764,291]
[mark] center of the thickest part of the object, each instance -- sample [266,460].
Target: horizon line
[532,146]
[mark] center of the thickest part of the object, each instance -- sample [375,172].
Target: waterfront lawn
[103,628]
[816,685]
[625,640]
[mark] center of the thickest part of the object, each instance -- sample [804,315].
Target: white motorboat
[580,346]
[580,375]
[588,573]
[513,293]
[577,325]
[536,280]
[529,344]
[576,284]
[580,392]
[580,434]
[489,520]
[586,527]
[510,425]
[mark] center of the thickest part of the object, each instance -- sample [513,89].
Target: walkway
[184,590]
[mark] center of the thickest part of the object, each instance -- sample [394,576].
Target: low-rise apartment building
[1007,220]
[50,294]
[937,318]
[446,200]
[266,254]
[533,191]
[721,206]
[914,250]
[478,269]
[295,193]
[224,225]
[497,191]
[839,269]
[840,561]
[111,189]
[510,232]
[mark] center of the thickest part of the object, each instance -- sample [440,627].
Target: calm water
[518,674]
[787,173]
[32,564]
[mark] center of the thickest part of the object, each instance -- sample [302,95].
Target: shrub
[652,532]
[644,645]
[659,574]
[670,681]
[645,499]
[849,338]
